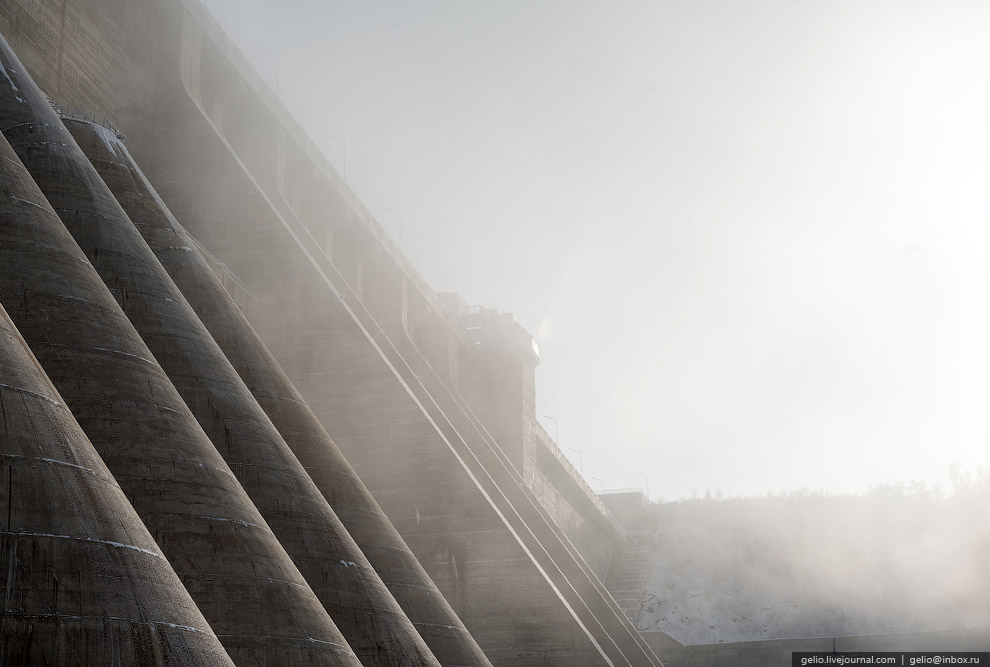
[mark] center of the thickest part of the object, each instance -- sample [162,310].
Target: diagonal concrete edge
[86,583]
[220,546]
[350,498]
[370,619]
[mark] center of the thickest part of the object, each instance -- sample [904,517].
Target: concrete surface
[346,583]
[85,582]
[223,551]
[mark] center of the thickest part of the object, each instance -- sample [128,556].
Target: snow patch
[13,86]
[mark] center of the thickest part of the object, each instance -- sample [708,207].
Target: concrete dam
[238,426]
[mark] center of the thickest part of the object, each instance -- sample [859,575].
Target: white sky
[750,237]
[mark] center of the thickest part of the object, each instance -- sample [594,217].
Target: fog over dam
[241,427]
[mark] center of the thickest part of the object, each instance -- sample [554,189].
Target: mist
[750,241]
[738,232]
[441,334]
[902,559]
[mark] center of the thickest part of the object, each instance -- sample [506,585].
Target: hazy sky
[751,238]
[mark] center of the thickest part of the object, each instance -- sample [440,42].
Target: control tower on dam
[355,407]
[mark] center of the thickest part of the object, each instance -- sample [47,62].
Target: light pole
[442,275]
[556,435]
[600,481]
[580,460]
[647,484]
[397,236]
[343,158]
[275,54]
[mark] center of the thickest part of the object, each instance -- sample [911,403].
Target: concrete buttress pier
[85,582]
[223,551]
[362,607]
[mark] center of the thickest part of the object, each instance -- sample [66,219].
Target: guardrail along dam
[238,428]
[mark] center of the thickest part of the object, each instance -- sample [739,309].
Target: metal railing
[87,117]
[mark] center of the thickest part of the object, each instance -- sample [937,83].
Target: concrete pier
[362,607]
[215,539]
[85,583]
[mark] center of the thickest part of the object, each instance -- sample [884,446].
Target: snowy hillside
[814,566]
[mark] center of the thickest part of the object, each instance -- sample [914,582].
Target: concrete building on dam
[238,426]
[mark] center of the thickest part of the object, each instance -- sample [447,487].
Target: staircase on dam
[630,566]
[628,572]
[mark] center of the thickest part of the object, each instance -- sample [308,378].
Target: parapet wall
[571,502]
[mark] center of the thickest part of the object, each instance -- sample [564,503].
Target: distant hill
[811,565]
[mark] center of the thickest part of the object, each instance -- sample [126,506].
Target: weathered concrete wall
[571,502]
[97,55]
[346,583]
[498,381]
[627,506]
[363,609]
[230,562]
[86,583]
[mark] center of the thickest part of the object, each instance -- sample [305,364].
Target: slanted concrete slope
[346,583]
[440,479]
[240,577]
[465,545]
[295,421]
[85,582]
